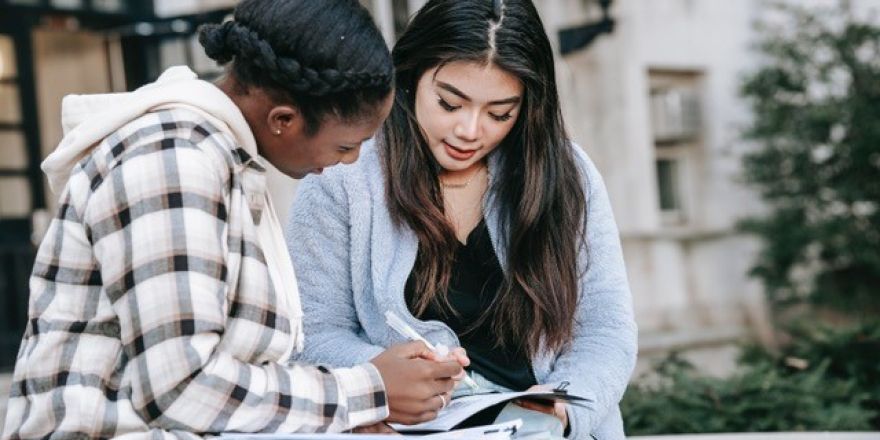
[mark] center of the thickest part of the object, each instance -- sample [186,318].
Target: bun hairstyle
[326,57]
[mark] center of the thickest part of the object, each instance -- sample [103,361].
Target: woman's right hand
[415,380]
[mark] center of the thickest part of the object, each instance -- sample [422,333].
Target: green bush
[825,379]
[816,129]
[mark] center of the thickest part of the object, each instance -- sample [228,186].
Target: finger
[461,356]
[383,428]
[416,407]
[371,429]
[431,404]
[458,377]
[536,407]
[433,357]
[561,412]
[376,428]
[540,388]
[443,386]
[412,418]
[446,369]
[427,416]
[414,349]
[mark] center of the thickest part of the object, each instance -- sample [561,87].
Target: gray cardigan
[352,263]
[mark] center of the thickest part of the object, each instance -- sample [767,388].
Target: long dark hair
[537,186]
[326,57]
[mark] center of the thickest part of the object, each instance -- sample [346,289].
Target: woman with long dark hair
[475,218]
[163,302]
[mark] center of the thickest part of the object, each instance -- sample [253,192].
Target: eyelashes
[447,106]
[451,108]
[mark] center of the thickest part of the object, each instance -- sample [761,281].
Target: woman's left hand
[554,408]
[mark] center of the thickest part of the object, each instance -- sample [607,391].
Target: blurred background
[739,140]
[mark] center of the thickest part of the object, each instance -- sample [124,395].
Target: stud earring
[277,132]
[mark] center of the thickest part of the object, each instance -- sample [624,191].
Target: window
[7,59]
[10,112]
[675,114]
[15,191]
[667,183]
[674,102]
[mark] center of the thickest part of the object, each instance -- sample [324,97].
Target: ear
[284,118]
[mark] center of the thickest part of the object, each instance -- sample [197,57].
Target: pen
[406,331]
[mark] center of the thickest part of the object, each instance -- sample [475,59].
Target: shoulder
[591,177]
[583,161]
[167,149]
[171,132]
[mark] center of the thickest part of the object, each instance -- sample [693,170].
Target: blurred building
[649,89]
[51,48]
[656,105]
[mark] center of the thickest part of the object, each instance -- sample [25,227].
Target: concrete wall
[688,278]
[68,62]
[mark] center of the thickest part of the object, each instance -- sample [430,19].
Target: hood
[88,119]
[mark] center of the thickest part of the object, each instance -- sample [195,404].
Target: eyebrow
[452,89]
[355,143]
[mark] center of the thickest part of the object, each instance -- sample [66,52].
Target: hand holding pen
[440,350]
[417,384]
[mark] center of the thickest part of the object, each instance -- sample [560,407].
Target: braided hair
[326,57]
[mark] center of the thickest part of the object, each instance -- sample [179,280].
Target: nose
[351,156]
[468,128]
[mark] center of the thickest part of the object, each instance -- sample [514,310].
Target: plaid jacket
[151,311]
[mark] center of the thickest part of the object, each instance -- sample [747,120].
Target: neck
[459,175]
[248,100]
[461,178]
[232,89]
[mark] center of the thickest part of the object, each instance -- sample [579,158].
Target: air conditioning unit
[675,115]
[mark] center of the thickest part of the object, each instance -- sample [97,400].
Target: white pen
[406,331]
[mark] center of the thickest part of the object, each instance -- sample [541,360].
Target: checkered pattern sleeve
[158,227]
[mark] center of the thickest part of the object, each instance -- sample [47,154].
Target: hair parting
[537,187]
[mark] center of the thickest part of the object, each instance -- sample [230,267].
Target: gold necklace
[459,215]
[464,184]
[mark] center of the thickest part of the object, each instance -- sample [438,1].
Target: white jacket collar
[88,119]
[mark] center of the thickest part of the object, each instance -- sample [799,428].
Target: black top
[476,280]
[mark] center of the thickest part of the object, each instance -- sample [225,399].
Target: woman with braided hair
[163,302]
[475,219]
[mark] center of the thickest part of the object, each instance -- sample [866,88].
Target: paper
[501,431]
[489,432]
[463,407]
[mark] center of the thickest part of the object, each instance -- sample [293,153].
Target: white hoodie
[88,119]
